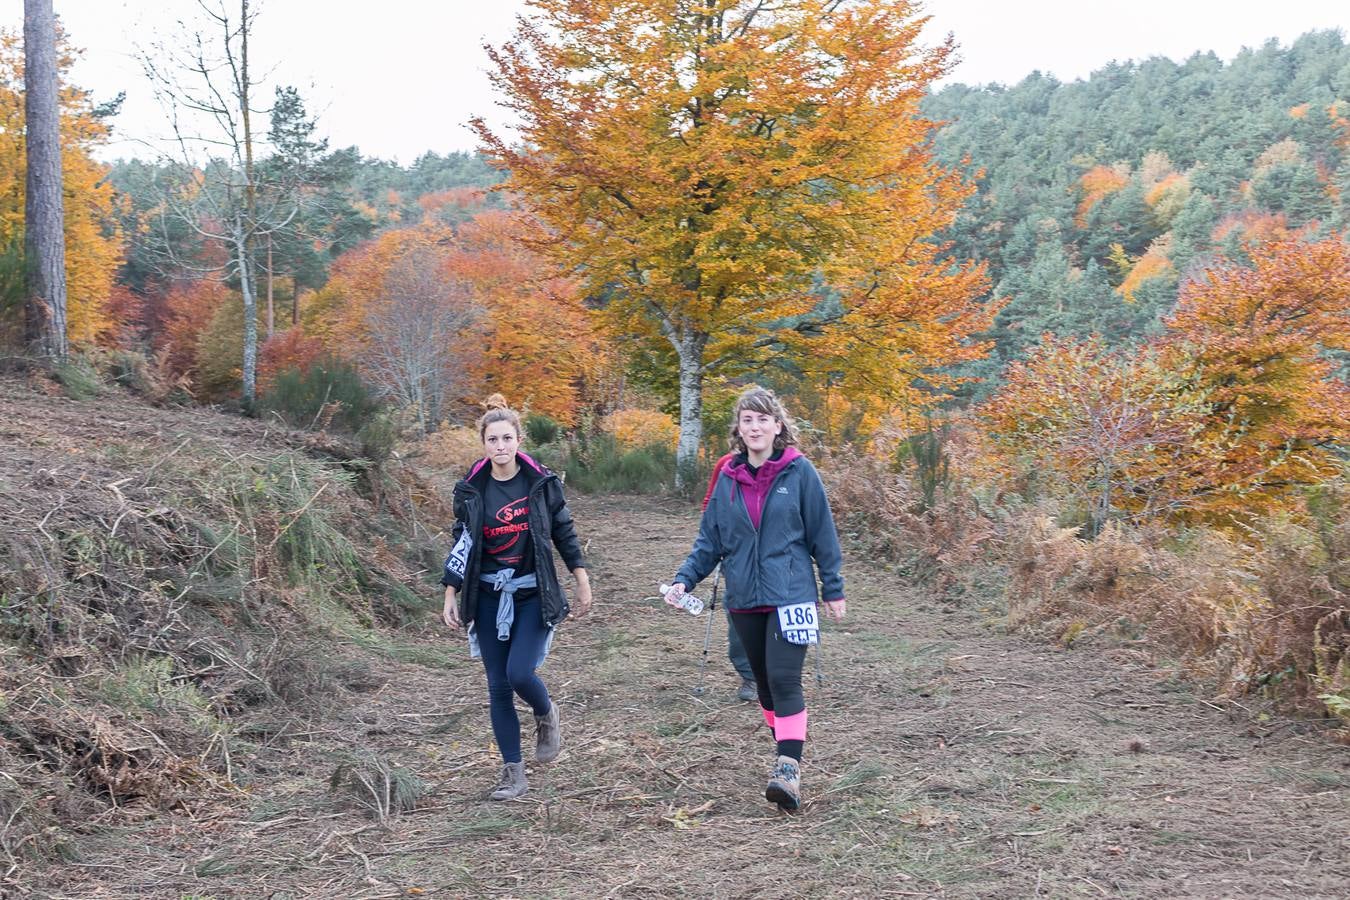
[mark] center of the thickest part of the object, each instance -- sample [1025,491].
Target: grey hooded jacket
[771,565]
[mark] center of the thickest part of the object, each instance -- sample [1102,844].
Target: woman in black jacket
[502,585]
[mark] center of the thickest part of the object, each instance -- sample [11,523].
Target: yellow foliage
[1097,184]
[1252,342]
[642,428]
[705,177]
[94,244]
[1153,264]
[1167,197]
[1285,151]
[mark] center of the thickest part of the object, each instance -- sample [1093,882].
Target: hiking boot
[785,784]
[512,782]
[548,736]
[747,691]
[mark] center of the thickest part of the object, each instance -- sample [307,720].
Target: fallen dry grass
[946,759]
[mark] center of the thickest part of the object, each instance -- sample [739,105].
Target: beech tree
[742,180]
[419,334]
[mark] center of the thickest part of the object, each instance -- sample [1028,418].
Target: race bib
[458,560]
[799,623]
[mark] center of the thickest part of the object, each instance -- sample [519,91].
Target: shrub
[289,349]
[452,448]
[540,429]
[378,436]
[637,428]
[328,393]
[886,514]
[78,378]
[1266,612]
[928,451]
[605,467]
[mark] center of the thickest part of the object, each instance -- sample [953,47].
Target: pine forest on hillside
[1098,198]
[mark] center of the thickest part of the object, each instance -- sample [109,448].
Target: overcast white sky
[401,77]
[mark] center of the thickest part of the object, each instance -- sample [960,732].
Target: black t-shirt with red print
[507,543]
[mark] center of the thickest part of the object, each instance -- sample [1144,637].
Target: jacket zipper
[476,496]
[762,510]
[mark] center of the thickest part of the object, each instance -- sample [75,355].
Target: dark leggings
[777,663]
[510,667]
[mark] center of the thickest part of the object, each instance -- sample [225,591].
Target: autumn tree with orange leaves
[93,239]
[741,181]
[1113,430]
[542,350]
[1252,340]
[492,315]
[1225,417]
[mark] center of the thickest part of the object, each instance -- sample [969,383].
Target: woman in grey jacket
[768,523]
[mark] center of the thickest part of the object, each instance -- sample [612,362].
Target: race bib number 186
[799,623]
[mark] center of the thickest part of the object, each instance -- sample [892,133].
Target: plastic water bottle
[687,601]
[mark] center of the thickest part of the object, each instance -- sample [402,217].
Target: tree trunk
[691,411]
[271,308]
[44,213]
[246,284]
[246,288]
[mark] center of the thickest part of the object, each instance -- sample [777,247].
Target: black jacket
[549,517]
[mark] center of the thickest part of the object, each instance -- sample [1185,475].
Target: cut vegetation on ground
[347,755]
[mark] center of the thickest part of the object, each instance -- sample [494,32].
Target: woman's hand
[674,594]
[834,609]
[583,598]
[451,611]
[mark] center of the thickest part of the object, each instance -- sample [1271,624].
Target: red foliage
[189,307]
[289,349]
[125,310]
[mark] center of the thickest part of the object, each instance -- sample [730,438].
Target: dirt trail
[945,760]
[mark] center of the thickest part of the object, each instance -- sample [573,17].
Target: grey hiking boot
[548,736]
[512,782]
[785,784]
[747,692]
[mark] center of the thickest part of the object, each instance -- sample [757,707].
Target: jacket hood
[739,468]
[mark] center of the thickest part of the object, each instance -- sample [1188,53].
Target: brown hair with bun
[497,410]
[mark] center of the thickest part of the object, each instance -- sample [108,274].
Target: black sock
[792,749]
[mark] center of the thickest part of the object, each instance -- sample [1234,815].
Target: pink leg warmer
[790,728]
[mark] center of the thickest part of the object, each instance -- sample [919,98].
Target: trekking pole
[707,632]
[820,642]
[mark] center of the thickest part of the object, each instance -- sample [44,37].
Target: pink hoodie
[755,485]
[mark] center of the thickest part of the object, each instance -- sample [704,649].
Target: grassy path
[945,760]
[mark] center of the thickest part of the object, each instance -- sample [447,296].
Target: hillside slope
[178,589]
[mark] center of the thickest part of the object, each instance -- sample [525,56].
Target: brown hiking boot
[785,784]
[548,736]
[512,782]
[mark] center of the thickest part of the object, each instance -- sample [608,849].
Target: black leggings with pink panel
[777,664]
